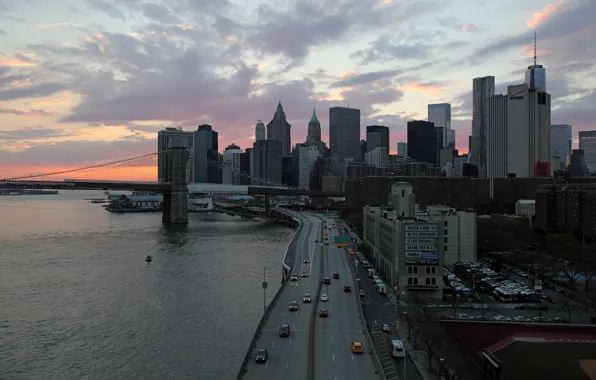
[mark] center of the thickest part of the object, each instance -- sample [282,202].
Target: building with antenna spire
[536,74]
[314,129]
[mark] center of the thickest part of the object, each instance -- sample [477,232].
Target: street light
[441,367]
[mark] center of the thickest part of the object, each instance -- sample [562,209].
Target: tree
[455,306]
[569,307]
[429,348]
[570,271]
[484,308]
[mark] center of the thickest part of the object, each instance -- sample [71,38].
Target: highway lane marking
[273,344]
[290,341]
[293,326]
[287,364]
[282,313]
[266,364]
[333,357]
[331,337]
[352,356]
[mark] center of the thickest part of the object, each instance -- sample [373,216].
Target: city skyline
[82,86]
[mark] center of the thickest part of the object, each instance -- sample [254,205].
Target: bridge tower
[175,201]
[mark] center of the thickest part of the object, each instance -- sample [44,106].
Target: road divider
[253,343]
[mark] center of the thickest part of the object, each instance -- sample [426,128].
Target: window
[431,270]
[412,280]
[403,193]
[431,281]
[412,270]
[445,240]
[445,223]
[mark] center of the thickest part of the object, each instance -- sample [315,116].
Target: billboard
[341,241]
[421,244]
[330,214]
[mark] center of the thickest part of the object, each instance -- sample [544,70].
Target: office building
[577,163]
[206,154]
[267,170]
[423,142]
[245,176]
[587,143]
[378,157]
[163,143]
[402,149]
[260,131]
[458,164]
[440,116]
[560,143]
[483,88]
[528,129]
[377,136]
[363,150]
[279,129]
[314,129]
[536,74]
[305,158]
[496,138]
[344,133]
[231,165]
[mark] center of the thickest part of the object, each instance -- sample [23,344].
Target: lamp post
[441,367]
[264,290]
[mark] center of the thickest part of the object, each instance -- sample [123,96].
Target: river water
[78,301]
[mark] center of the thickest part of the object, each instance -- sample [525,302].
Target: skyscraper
[206,147]
[383,135]
[560,142]
[267,162]
[280,130]
[496,138]
[483,88]
[440,115]
[314,129]
[423,142]
[260,131]
[587,143]
[163,143]
[231,165]
[528,129]
[344,133]
[536,74]
[402,149]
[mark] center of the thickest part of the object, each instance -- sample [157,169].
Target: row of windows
[428,281]
[412,269]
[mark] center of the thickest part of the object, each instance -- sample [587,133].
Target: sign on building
[421,244]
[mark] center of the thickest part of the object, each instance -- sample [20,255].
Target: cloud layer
[99,83]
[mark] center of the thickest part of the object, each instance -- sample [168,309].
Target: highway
[288,356]
[334,359]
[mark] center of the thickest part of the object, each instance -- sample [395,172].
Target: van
[397,349]
[365,264]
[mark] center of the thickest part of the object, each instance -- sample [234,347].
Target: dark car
[347,288]
[306,261]
[323,313]
[327,281]
[293,306]
[284,330]
[261,355]
[336,275]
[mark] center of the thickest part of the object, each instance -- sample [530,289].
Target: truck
[371,272]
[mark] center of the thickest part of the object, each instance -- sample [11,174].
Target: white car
[324,298]
[306,298]
[293,277]
[304,274]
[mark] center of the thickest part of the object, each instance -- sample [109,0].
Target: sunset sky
[90,81]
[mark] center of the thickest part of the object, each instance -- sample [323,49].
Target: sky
[84,82]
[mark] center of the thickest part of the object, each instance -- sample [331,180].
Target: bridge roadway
[288,357]
[334,359]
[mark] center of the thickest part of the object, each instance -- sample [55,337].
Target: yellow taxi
[356,347]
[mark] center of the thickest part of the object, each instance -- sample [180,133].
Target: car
[303,274]
[293,277]
[326,243]
[386,328]
[324,298]
[261,355]
[317,240]
[306,298]
[336,275]
[351,252]
[356,347]
[327,281]
[306,261]
[323,313]
[284,330]
[293,306]
[347,288]
[361,293]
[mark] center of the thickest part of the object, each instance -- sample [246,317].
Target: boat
[148,258]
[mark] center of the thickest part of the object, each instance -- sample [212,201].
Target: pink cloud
[542,15]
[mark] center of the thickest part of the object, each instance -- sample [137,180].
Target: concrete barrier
[265,317]
[313,318]
[283,261]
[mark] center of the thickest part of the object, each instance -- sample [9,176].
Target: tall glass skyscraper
[440,115]
[536,77]
[560,142]
[483,88]
[344,133]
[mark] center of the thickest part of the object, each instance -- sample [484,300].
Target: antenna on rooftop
[534,48]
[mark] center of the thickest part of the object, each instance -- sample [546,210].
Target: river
[78,301]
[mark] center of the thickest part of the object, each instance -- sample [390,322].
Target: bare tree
[455,306]
[569,307]
[570,272]
[539,309]
[484,308]
[451,372]
[429,348]
[588,272]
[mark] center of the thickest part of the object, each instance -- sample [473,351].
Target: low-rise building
[527,208]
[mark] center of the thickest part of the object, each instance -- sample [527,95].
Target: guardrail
[283,261]
[265,317]
[313,318]
[372,349]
